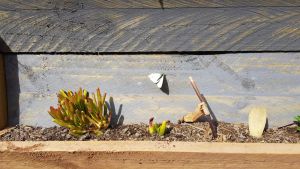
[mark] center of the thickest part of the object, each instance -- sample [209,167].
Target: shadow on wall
[117,119]
[12,83]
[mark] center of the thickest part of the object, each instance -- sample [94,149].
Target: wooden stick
[196,89]
[287,125]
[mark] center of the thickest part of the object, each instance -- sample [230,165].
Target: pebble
[241,136]
[65,130]
[42,130]
[84,137]
[107,132]
[68,136]
[137,134]
[27,128]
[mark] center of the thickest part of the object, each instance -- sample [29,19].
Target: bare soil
[199,132]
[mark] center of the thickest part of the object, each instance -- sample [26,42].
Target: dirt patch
[196,132]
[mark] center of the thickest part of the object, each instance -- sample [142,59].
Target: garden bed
[199,132]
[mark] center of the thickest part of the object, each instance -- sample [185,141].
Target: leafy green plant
[157,129]
[80,113]
[297,121]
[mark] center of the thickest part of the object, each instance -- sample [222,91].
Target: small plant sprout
[80,113]
[297,121]
[156,129]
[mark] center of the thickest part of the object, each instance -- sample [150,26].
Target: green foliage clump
[297,121]
[80,113]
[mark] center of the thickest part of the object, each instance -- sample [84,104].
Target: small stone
[27,128]
[84,137]
[241,136]
[129,134]
[137,134]
[42,130]
[257,121]
[107,132]
[68,136]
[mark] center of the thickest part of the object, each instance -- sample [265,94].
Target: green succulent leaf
[297,118]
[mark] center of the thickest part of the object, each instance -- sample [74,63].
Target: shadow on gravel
[211,119]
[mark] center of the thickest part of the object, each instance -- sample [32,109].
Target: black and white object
[157,78]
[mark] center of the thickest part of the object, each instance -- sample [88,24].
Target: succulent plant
[297,121]
[157,129]
[80,113]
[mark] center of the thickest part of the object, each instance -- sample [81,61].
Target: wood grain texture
[3,102]
[232,84]
[129,154]
[152,30]
[92,4]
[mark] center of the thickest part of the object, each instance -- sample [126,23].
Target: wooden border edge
[149,146]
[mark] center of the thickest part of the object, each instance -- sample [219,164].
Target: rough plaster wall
[232,84]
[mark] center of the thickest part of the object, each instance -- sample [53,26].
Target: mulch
[190,132]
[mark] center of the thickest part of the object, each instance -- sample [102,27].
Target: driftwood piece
[194,116]
[199,112]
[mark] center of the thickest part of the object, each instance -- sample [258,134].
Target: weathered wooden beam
[145,154]
[232,84]
[88,4]
[152,30]
[3,101]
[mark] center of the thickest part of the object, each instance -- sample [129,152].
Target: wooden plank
[3,102]
[232,83]
[134,154]
[92,4]
[152,30]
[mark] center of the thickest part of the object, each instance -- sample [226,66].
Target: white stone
[257,121]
